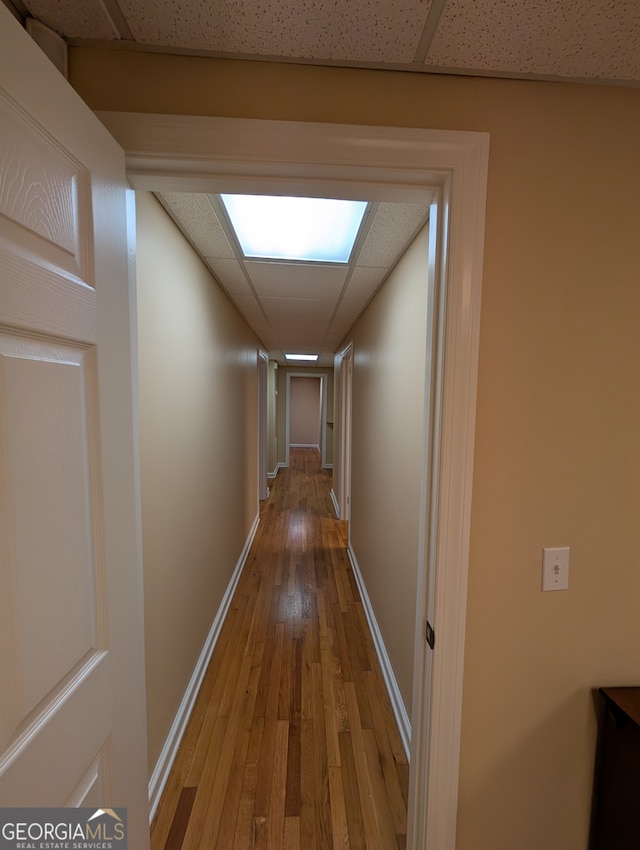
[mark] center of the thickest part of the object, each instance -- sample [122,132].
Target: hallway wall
[387,449]
[198,439]
[557,453]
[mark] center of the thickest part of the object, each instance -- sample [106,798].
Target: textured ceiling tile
[378,30]
[334,337]
[195,215]
[174,23]
[363,283]
[296,343]
[297,309]
[230,275]
[390,231]
[249,307]
[581,38]
[294,280]
[347,313]
[73,19]
[309,336]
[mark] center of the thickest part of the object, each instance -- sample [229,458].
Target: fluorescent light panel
[316,230]
[301,356]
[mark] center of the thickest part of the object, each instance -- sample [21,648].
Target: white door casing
[346,379]
[183,153]
[263,365]
[72,707]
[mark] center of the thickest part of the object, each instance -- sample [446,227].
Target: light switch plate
[555,568]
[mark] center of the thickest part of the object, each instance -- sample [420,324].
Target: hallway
[292,742]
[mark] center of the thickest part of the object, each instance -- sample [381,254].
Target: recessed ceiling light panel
[316,230]
[301,356]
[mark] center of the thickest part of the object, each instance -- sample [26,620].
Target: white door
[72,712]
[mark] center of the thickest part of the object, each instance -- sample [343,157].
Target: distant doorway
[306,412]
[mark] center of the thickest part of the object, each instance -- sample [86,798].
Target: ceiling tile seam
[167,208]
[118,19]
[18,10]
[429,30]
[358,245]
[384,279]
[221,214]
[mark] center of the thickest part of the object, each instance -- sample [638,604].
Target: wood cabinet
[616,815]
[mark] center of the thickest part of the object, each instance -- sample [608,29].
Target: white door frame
[263,364]
[346,384]
[323,376]
[203,154]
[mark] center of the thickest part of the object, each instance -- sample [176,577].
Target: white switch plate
[555,568]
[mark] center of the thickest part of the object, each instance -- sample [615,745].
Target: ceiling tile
[249,307]
[195,216]
[580,38]
[392,228]
[291,280]
[297,309]
[230,275]
[347,313]
[363,283]
[375,31]
[88,19]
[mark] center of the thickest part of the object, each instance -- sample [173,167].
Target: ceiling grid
[595,41]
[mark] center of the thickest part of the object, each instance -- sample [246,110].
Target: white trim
[186,153]
[336,506]
[304,446]
[397,703]
[263,365]
[170,750]
[279,466]
[437,712]
[345,361]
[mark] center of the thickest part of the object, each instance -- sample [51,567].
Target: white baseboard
[279,466]
[304,446]
[169,751]
[336,506]
[397,703]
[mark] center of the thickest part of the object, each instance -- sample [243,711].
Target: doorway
[386,164]
[306,406]
[305,412]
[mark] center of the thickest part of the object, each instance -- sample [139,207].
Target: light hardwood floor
[292,742]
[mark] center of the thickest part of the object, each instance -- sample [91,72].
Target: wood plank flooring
[292,744]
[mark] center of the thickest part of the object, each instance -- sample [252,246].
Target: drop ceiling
[300,307]
[595,41]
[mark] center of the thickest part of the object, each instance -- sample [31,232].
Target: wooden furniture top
[626,699]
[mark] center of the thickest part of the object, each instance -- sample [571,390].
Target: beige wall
[389,344]
[198,437]
[557,453]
